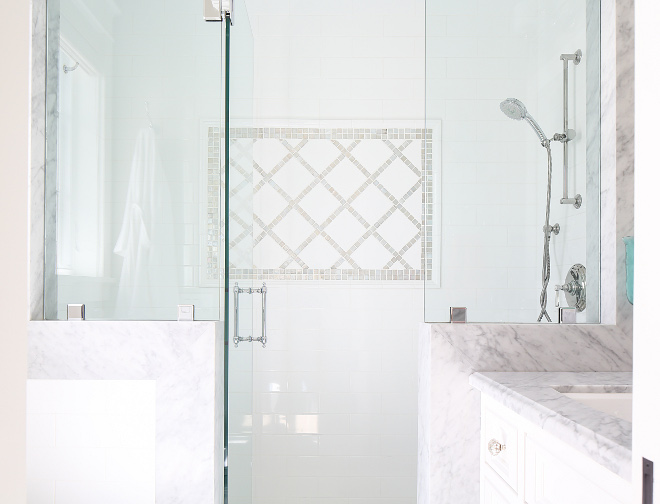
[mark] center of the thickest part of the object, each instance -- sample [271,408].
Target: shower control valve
[575,288]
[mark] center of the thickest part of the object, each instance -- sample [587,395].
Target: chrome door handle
[237,291]
[250,290]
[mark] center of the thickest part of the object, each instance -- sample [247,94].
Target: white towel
[148,281]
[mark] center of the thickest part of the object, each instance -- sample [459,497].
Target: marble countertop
[604,438]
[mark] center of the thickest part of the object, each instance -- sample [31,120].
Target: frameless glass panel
[239,246]
[487,195]
[132,159]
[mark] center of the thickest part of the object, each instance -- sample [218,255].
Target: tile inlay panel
[329,204]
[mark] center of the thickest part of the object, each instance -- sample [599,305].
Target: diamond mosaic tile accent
[214,188]
[329,204]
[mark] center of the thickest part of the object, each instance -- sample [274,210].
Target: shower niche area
[488,72]
[350,193]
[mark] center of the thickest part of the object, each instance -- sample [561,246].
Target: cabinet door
[549,480]
[494,490]
[495,428]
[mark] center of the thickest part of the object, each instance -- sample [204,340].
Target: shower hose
[547,231]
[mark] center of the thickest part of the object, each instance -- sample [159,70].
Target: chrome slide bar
[568,135]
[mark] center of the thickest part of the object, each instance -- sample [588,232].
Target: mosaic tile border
[214,189]
[325,274]
[215,186]
[331,133]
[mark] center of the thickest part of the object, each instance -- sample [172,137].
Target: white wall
[14,148]
[347,62]
[646,373]
[91,441]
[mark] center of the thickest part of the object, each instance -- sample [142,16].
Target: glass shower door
[486,194]
[242,304]
[132,160]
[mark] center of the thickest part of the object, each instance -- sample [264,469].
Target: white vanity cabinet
[522,463]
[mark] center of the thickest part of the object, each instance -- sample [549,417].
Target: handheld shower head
[515,109]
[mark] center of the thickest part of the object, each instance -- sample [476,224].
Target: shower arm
[568,134]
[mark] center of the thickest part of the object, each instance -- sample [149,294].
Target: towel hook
[68,69]
[146,108]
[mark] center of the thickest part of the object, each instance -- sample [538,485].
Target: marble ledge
[185,361]
[119,350]
[604,438]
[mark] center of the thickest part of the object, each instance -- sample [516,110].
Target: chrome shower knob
[575,288]
[577,295]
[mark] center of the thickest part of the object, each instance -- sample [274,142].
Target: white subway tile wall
[91,441]
[335,405]
[335,389]
[318,62]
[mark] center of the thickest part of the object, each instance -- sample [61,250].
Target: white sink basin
[617,404]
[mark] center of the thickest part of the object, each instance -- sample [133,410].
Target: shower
[515,109]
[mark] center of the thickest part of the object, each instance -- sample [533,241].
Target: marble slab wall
[37,159]
[182,357]
[625,151]
[617,142]
[593,158]
[43,117]
[449,408]
[49,196]
[608,164]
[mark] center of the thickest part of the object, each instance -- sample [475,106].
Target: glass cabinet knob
[495,447]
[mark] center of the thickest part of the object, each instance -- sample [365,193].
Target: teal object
[630,266]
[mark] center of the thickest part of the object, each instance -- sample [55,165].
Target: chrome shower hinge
[458,314]
[75,312]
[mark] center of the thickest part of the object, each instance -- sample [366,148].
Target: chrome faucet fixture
[574,288]
[515,109]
